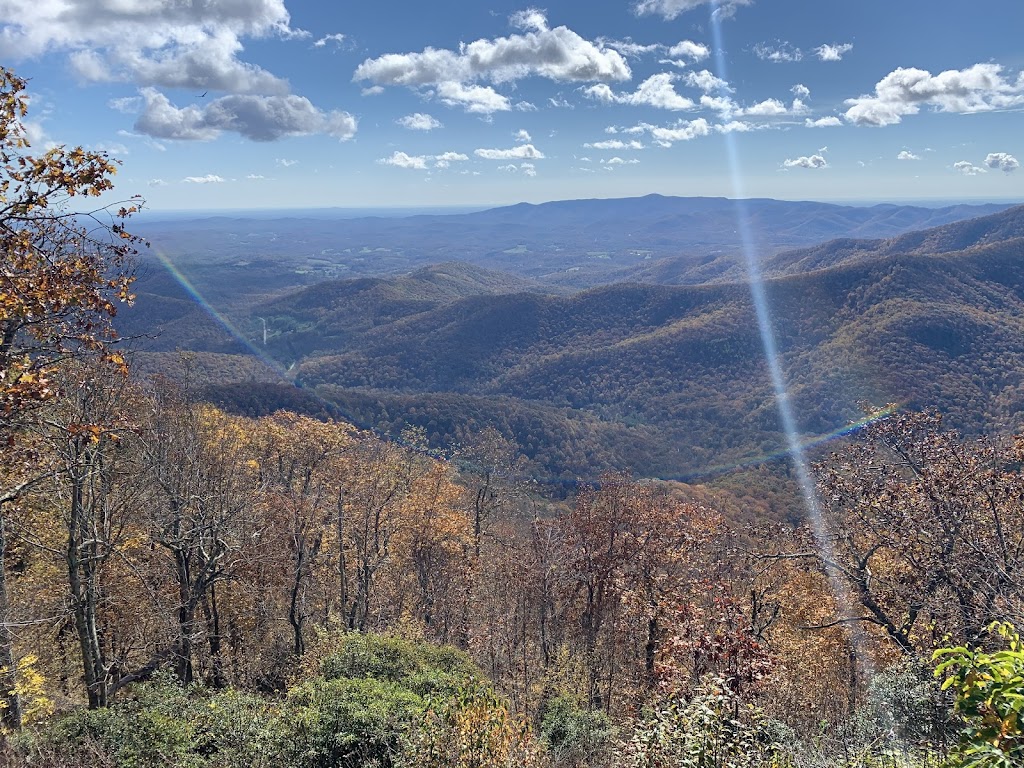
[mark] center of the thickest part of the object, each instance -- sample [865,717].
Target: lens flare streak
[794,440]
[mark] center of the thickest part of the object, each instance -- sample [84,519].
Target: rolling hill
[666,380]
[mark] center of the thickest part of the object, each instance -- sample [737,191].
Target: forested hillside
[184,586]
[671,381]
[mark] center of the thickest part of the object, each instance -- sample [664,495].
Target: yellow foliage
[30,687]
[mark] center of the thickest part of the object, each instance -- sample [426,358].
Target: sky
[221,104]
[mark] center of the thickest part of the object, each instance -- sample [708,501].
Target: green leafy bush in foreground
[365,701]
[989,690]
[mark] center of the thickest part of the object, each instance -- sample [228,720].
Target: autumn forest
[183,583]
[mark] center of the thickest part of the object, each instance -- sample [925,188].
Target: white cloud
[422,162]
[522,152]
[666,136]
[157,183]
[615,144]
[522,136]
[418,121]
[478,99]
[447,158]
[620,161]
[967,168]
[801,91]
[687,49]
[741,126]
[210,178]
[628,48]
[284,162]
[907,155]
[1002,161]
[814,162]
[778,53]
[337,39]
[706,81]
[557,53]
[255,177]
[259,118]
[830,121]
[129,105]
[670,9]
[373,90]
[528,169]
[902,92]
[167,43]
[834,52]
[766,108]
[656,91]
[402,160]
[724,105]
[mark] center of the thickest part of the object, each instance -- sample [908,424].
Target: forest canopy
[184,586]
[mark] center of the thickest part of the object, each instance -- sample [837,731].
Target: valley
[661,379]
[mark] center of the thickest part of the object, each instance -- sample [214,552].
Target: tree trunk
[11,716]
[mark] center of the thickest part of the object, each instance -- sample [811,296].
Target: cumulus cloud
[402,160]
[259,118]
[766,108]
[830,121]
[620,161]
[904,91]
[907,155]
[801,91]
[422,162]
[557,53]
[528,169]
[630,49]
[814,162]
[778,53]
[656,91]
[522,152]
[447,158]
[156,183]
[210,178]
[522,136]
[1002,162]
[615,144]
[666,136]
[706,81]
[338,39]
[741,126]
[478,99]
[968,168]
[834,52]
[687,49]
[156,43]
[670,9]
[419,121]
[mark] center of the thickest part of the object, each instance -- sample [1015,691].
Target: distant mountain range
[576,243]
[665,380]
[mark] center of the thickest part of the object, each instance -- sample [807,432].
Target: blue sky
[298,103]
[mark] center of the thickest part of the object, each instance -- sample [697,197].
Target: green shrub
[348,723]
[710,729]
[419,666]
[574,735]
[905,709]
[989,691]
